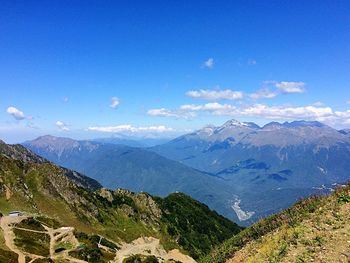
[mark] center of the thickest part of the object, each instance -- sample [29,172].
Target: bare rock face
[144,200]
[18,152]
[106,194]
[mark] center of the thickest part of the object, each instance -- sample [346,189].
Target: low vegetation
[30,223]
[141,259]
[8,256]
[308,230]
[195,227]
[89,249]
[32,242]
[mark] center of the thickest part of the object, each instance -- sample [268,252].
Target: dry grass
[314,229]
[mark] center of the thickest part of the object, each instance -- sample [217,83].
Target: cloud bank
[130,129]
[279,112]
[215,94]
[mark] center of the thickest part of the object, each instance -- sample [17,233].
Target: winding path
[142,245]
[6,223]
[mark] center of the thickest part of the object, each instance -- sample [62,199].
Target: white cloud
[206,107]
[215,94]
[272,89]
[263,94]
[319,112]
[340,116]
[179,114]
[65,99]
[131,129]
[209,63]
[16,113]
[290,87]
[188,111]
[271,112]
[318,104]
[286,112]
[309,112]
[62,126]
[162,112]
[114,102]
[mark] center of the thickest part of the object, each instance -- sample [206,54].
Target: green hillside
[53,197]
[316,229]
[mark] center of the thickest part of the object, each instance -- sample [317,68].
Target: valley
[242,215]
[175,131]
[151,216]
[279,161]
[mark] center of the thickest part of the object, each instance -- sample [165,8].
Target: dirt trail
[143,245]
[63,233]
[150,246]
[6,223]
[56,235]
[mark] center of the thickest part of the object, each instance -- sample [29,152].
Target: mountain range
[64,216]
[136,169]
[268,167]
[132,141]
[240,169]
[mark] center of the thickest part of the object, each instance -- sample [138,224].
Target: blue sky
[168,67]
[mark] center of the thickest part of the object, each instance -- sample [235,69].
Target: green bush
[342,199]
[197,228]
[141,259]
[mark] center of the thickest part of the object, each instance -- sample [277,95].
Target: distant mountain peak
[293,124]
[252,125]
[51,138]
[303,123]
[236,123]
[233,122]
[274,125]
[55,144]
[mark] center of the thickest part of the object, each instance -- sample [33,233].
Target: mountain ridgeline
[238,169]
[61,197]
[279,161]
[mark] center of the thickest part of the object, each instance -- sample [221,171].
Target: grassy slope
[314,229]
[70,205]
[43,189]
